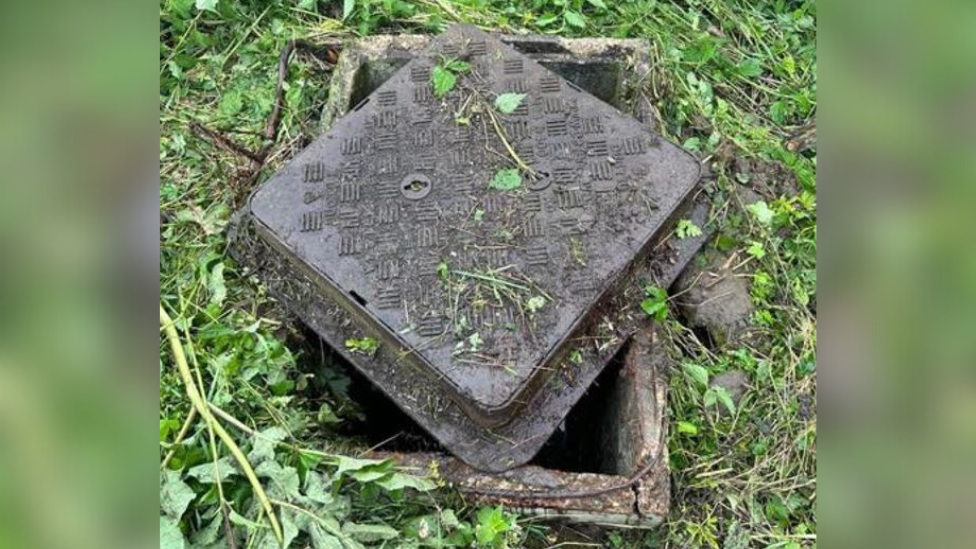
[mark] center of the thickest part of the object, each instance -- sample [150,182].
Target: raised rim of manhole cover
[474,241]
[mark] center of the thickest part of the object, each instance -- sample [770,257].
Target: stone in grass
[735,382]
[713,298]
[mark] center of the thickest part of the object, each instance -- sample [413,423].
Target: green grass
[732,79]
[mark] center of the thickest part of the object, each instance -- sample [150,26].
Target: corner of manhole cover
[481,298]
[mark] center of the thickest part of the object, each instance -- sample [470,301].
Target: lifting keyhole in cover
[415,186]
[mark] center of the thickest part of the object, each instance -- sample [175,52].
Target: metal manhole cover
[477,294]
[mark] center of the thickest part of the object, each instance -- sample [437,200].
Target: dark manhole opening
[376,421]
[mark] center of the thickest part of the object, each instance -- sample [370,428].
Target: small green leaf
[535,303]
[597,4]
[762,213]
[687,428]
[574,19]
[506,103]
[364,346]
[347,7]
[443,270]
[443,80]
[506,180]
[697,373]
[756,250]
[686,228]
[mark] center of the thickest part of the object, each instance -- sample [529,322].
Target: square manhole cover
[477,292]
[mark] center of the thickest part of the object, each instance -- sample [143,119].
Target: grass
[733,80]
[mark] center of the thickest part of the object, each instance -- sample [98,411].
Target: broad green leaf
[506,103]
[574,19]
[170,536]
[369,474]
[216,285]
[264,445]
[506,180]
[322,539]
[225,468]
[399,481]
[289,525]
[207,5]
[167,426]
[308,5]
[174,495]
[284,480]
[347,7]
[655,307]
[750,68]
[698,373]
[369,532]
[316,488]
[347,464]
[597,4]
[443,80]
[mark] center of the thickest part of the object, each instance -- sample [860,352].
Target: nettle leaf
[574,19]
[506,103]
[207,5]
[697,373]
[216,285]
[369,532]
[264,445]
[506,180]
[719,394]
[225,468]
[175,495]
[317,490]
[399,481]
[170,536]
[284,480]
[346,464]
[750,68]
[457,66]
[443,80]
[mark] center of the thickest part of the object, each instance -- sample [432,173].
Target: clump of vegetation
[363,345]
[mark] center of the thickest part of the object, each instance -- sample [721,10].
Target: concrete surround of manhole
[633,487]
